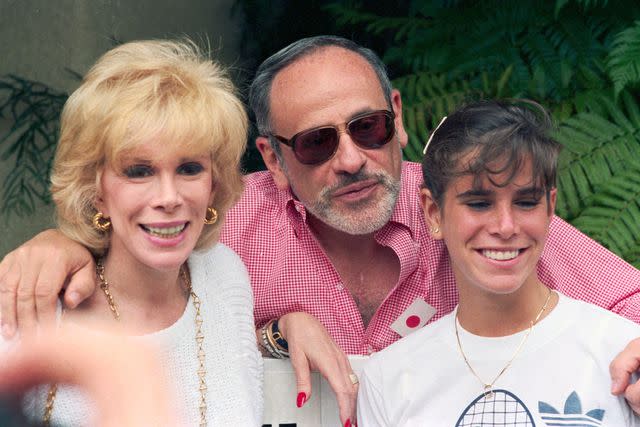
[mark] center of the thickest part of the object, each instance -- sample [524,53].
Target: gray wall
[39,38]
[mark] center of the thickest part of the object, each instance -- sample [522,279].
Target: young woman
[513,352]
[145,170]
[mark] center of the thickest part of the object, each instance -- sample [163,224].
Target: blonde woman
[146,168]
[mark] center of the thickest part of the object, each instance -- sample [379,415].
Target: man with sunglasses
[333,235]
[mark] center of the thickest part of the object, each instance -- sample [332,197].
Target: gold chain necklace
[202,371]
[488,387]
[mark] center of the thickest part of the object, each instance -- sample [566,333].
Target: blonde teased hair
[135,91]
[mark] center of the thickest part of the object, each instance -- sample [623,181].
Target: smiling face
[494,235]
[156,200]
[355,191]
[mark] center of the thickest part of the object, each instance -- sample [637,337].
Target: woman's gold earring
[101,222]
[211,216]
[435,230]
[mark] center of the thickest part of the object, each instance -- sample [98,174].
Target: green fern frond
[402,26]
[631,107]
[632,256]
[427,98]
[613,217]
[586,4]
[623,61]
[559,5]
[348,14]
[596,148]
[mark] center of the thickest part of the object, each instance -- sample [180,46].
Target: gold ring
[354,378]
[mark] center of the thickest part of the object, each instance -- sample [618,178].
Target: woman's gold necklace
[202,371]
[488,387]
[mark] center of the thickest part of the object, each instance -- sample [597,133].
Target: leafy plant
[623,62]
[579,58]
[34,111]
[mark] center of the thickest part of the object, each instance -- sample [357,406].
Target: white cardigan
[233,362]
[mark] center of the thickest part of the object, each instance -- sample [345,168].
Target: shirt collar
[407,211]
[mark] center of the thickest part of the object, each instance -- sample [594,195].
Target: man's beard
[362,217]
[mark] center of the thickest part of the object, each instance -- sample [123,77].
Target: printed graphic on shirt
[572,413]
[413,318]
[499,409]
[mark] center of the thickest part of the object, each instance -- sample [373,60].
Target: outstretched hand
[32,276]
[622,368]
[124,384]
[311,347]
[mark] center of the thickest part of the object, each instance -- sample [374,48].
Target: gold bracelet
[266,343]
[283,353]
[278,338]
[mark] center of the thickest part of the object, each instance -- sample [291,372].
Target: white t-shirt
[559,378]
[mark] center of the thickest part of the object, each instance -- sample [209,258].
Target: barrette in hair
[424,151]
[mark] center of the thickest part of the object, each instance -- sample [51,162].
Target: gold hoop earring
[211,216]
[101,222]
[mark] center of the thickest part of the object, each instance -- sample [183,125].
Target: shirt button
[370,349]
[340,286]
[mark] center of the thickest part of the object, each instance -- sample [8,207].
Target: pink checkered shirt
[290,272]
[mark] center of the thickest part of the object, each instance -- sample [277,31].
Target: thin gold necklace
[488,387]
[202,371]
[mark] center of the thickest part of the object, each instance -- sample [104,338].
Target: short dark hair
[259,92]
[509,131]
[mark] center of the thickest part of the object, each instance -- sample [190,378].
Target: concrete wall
[40,38]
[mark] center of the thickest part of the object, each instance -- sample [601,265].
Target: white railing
[280,394]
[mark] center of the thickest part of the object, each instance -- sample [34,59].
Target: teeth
[165,232]
[500,255]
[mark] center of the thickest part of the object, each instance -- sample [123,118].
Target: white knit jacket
[233,362]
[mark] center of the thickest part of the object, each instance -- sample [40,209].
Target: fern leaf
[632,108]
[613,217]
[633,256]
[623,61]
[596,149]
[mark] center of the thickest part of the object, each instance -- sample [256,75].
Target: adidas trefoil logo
[572,414]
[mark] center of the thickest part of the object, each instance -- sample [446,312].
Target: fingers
[36,290]
[621,369]
[32,276]
[123,383]
[303,377]
[311,347]
[625,364]
[35,295]
[81,285]
[341,381]
[9,277]
[16,293]
[632,394]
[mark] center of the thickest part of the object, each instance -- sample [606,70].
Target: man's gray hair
[259,92]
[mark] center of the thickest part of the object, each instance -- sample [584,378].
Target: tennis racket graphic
[501,409]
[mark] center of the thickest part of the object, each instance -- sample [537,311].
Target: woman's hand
[311,348]
[121,376]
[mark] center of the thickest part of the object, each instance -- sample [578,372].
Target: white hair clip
[433,133]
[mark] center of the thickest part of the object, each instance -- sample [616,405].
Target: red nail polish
[302,398]
[347,423]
